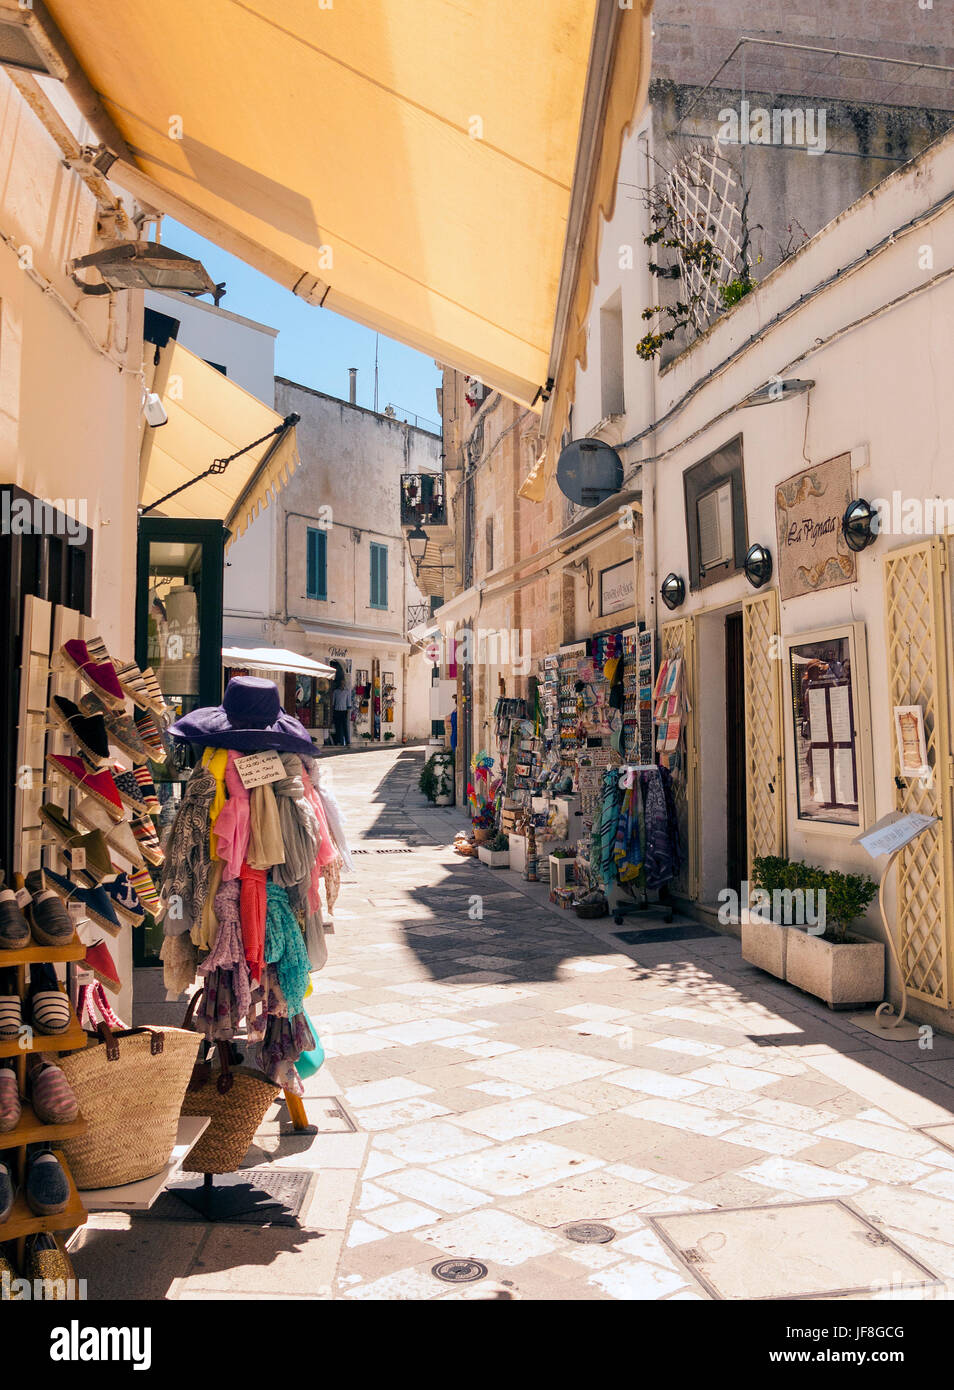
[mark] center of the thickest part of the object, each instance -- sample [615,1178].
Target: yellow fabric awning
[210,417]
[408,165]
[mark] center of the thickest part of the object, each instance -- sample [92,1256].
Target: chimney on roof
[353,385]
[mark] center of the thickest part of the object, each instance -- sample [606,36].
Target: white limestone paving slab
[380,1092]
[639,1280]
[399,1112]
[680,1115]
[802,1179]
[429,1141]
[735,1078]
[771,1139]
[656,1083]
[596,1196]
[509,1170]
[402,1216]
[544,1068]
[425,1030]
[513,1119]
[443,1194]
[494,1236]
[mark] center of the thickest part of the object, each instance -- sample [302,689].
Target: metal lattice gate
[917,623]
[764,774]
[678,639]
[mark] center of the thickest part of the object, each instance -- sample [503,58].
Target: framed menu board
[831,728]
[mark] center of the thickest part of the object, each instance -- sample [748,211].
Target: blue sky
[316,347]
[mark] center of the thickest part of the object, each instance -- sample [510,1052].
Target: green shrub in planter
[847,897]
[437,775]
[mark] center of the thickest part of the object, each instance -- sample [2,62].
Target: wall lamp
[144,265]
[859,525]
[673,591]
[417,544]
[778,390]
[757,565]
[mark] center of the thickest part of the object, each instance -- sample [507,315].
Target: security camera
[154,410]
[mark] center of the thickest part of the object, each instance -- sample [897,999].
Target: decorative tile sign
[812,553]
[617,588]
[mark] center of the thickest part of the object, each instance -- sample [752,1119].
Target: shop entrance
[736,837]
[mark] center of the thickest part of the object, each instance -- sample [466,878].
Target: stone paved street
[518,1069]
[510,1069]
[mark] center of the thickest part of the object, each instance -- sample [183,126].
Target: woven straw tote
[234,1098]
[129,1086]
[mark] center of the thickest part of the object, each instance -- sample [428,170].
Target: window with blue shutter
[379,576]
[317,563]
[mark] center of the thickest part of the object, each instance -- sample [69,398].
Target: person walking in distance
[341,709]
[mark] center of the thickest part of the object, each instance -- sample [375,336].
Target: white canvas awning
[274,659]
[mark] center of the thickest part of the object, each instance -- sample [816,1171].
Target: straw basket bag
[129,1087]
[235,1099]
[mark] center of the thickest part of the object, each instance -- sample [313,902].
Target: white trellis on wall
[705,191]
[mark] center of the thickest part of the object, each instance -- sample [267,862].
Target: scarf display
[242,904]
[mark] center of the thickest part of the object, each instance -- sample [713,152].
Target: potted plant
[764,931]
[437,778]
[496,853]
[842,969]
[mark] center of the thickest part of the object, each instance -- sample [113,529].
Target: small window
[379,576]
[317,563]
[611,357]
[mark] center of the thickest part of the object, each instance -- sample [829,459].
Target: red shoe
[99,960]
[98,675]
[99,785]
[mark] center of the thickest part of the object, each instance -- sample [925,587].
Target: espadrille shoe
[93,845]
[148,731]
[51,1096]
[87,730]
[11,1010]
[130,790]
[147,788]
[99,675]
[99,960]
[12,923]
[49,1005]
[7,1190]
[124,899]
[95,902]
[50,922]
[148,841]
[145,890]
[97,784]
[119,838]
[142,687]
[10,1106]
[120,728]
[47,1187]
[46,1260]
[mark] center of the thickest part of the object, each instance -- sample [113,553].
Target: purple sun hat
[249,718]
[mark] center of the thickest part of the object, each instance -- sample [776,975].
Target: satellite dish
[589,471]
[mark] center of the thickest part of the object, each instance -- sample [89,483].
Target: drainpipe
[649,470]
[353,385]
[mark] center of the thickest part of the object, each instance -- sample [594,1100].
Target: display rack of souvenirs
[634,841]
[88,728]
[669,705]
[550,698]
[255,837]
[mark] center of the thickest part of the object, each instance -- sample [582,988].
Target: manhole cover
[459,1271]
[802,1250]
[589,1232]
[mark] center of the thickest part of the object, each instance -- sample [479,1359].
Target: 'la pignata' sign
[809,507]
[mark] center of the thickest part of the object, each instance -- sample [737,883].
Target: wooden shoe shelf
[23,1222]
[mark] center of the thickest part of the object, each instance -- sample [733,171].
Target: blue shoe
[96,902]
[124,899]
[6,1191]
[47,1186]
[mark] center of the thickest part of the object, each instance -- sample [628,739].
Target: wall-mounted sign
[617,588]
[912,744]
[589,471]
[812,553]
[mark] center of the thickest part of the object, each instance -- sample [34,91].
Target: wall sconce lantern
[417,544]
[673,591]
[758,565]
[859,525]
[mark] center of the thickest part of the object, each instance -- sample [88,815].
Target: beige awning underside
[210,417]
[407,164]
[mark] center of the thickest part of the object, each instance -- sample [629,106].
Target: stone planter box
[844,974]
[518,852]
[765,944]
[494,858]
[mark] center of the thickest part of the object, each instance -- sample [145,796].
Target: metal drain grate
[651,935]
[278,1198]
[589,1232]
[459,1271]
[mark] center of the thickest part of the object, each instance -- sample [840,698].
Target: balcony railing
[422,499]
[418,613]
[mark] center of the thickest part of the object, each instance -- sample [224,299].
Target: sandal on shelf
[47,1187]
[120,728]
[97,671]
[10,1108]
[11,1010]
[119,838]
[88,731]
[14,927]
[95,902]
[50,922]
[98,784]
[51,1095]
[7,1190]
[50,1009]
